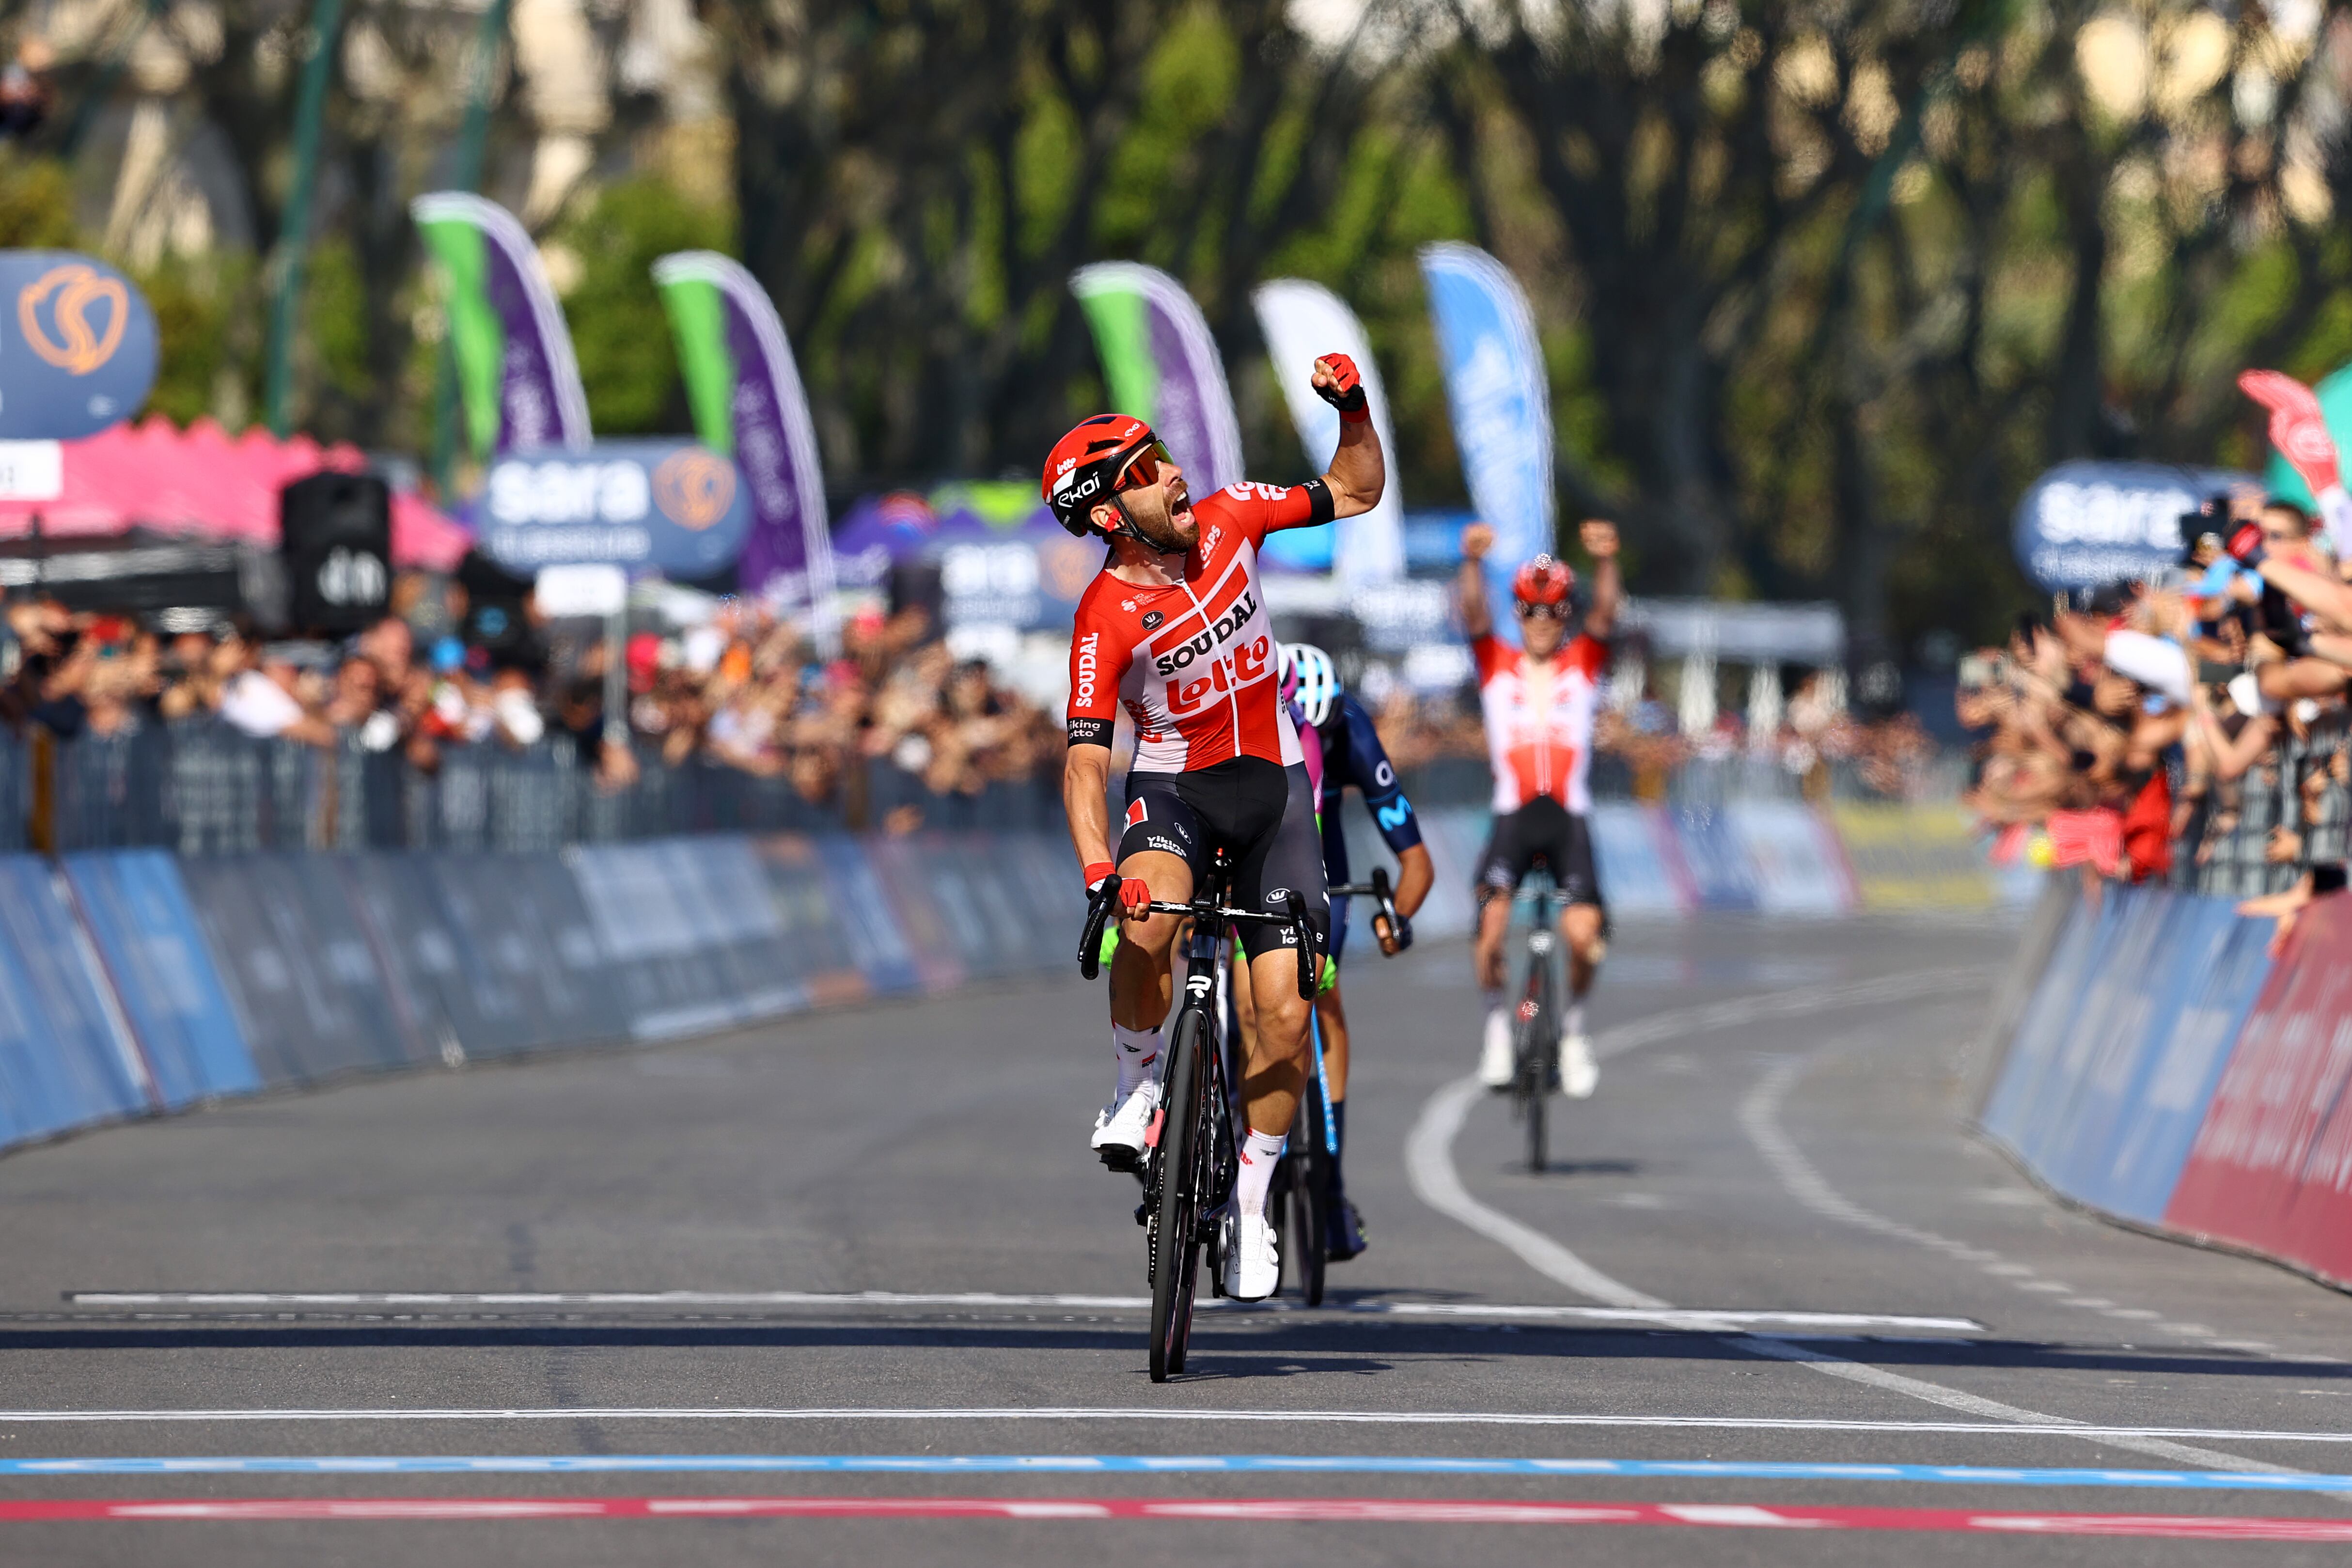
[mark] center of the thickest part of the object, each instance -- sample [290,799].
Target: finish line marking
[1145,1413]
[1154,1464]
[1311,1511]
[1695,1318]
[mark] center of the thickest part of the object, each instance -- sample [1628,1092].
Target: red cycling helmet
[1543,580]
[1087,464]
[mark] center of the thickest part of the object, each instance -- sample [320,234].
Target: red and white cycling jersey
[1192,663]
[1540,721]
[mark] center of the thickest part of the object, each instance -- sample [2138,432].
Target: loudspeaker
[337,541]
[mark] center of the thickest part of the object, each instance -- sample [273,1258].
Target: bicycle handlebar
[1295,916]
[1377,888]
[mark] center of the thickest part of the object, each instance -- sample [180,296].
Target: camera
[2209,521]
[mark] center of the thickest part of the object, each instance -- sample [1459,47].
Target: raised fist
[1476,541]
[1335,382]
[1598,537]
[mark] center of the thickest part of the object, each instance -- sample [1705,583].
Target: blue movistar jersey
[1352,755]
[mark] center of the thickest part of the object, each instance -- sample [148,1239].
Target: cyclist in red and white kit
[1175,632]
[1538,701]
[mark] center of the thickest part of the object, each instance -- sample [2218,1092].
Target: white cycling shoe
[1497,1058]
[1252,1257]
[1120,1129]
[1577,1071]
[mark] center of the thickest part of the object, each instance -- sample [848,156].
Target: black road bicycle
[1536,1027]
[1301,1198]
[1188,1166]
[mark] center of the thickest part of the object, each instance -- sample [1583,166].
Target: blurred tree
[605,255]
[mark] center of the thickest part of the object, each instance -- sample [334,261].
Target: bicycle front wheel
[1176,1200]
[1310,1196]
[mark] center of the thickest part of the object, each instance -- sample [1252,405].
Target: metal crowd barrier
[2260,832]
[203,788]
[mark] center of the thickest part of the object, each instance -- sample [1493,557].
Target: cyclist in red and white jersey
[1175,632]
[1538,701]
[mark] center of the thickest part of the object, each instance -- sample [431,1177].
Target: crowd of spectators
[2170,729]
[736,687]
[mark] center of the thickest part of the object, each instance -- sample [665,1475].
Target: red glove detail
[2298,429]
[2246,544]
[1134,894]
[1345,391]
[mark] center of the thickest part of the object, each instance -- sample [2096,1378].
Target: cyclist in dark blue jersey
[1353,758]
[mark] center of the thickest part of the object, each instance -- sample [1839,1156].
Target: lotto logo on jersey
[1245,666]
[1214,636]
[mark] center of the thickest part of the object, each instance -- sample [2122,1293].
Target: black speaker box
[337,541]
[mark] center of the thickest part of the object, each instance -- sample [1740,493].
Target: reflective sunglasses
[1143,469]
[1549,612]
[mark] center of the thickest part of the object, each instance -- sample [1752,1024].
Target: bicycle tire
[1174,1247]
[1534,1063]
[1310,1196]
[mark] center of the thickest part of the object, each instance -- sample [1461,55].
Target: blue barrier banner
[434,1006]
[935,940]
[1799,868]
[1042,875]
[137,911]
[1720,873]
[63,1064]
[1638,875]
[822,949]
[731,920]
[297,964]
[2049,1019]
[526,952]
[2223,960]
[652,933]
[859,901]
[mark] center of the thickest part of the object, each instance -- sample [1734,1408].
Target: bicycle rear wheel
[1176,1201]
[1538,1059]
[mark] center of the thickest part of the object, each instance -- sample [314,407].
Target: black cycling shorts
[1261,814]
[1541,832]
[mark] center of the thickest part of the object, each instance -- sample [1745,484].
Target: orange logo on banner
[694,488]
[76,287]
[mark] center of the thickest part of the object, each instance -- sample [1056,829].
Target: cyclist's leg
[1164,845]
[1284,855]
[1584,929]
[1158,845]
[1500,871]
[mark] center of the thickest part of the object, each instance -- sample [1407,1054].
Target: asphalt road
[1771,1302]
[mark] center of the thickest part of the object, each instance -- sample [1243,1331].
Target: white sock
[1576,1016]
[1138,1051]
[1259,1153]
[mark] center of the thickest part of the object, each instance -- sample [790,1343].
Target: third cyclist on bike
[1538,701]
[1175,631]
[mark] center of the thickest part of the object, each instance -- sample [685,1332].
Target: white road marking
[2048,1427]
[1428,1161]
[1700,1320]
[1760,1116]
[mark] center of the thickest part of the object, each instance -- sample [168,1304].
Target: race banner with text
[745,390]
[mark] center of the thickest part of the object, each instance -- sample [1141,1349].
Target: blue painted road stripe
[1153,1464]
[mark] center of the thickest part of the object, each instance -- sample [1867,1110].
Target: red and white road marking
[1319,1510]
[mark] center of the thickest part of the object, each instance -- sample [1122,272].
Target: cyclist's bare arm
[1359,473]
[1086,788]
[1600,542]
[1470,583]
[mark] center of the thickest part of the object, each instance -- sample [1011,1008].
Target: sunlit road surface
[852,1285]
